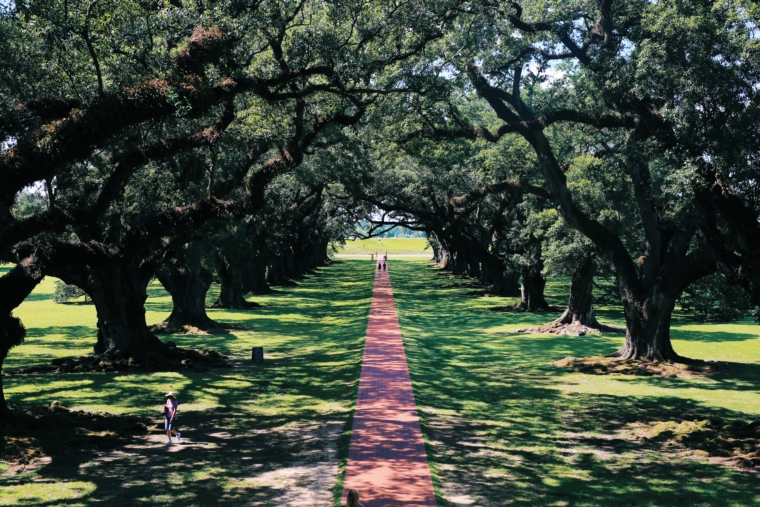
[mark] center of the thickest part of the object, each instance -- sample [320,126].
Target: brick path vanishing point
[387,463]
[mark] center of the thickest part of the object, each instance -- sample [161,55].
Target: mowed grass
[504,427]
[393,246]
[253,433]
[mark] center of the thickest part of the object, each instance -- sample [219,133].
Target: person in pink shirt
[170,413]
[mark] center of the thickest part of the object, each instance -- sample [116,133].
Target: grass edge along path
[504,427]
[387,462]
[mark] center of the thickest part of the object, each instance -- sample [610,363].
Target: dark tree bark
[502,282]
[12,333]
[580,305]
[460,263]
[647,319]
[119,291]
[255,277]
[579,317]
[277,272]
[231,291]
[473,268]
[188,282]
[436,247]
[15,286]
[445,260]
[275,269]
[532,290]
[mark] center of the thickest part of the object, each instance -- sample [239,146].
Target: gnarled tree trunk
[502,282]
[579,317]
[459,266]
[12,333]
[473,268]
[255,277]
[15,286]
[277,273]
[231,291]
[445,260]
[119,291]
[436,247]
[276,270]
[532,290]
[647,320]
[188,282]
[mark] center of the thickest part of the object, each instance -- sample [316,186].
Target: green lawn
[503,427]
[393,246]
[255,435]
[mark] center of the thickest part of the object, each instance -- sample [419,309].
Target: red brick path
[387,463]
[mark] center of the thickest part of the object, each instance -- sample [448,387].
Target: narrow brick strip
[387,463]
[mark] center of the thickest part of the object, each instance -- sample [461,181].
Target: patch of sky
[626,48]
[9,143]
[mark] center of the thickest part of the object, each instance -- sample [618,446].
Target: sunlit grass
[393,246]
[313,337]
[46,493]
[502,425]
[505,427]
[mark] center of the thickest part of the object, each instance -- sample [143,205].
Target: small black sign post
[257,355]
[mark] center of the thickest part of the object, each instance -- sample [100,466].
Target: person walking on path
[353,499]
[170,413]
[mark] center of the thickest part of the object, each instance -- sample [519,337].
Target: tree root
[212,328]
[171,359]
[571,329]
[601,365]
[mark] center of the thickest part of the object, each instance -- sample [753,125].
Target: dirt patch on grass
[572,329]
[216,328]
[34,433]
[312,475]
[736,444]
[601,365]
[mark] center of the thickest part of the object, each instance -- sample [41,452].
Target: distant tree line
[365,227]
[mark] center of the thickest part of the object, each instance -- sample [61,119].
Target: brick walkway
[387,463]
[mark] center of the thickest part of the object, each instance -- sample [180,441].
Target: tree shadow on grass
[68,332]
[38,296]
[502,428]
[551,451]
[250,430]
[711,336]
[730,377]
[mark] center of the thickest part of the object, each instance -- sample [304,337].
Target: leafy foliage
[66,293]
[712,299]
